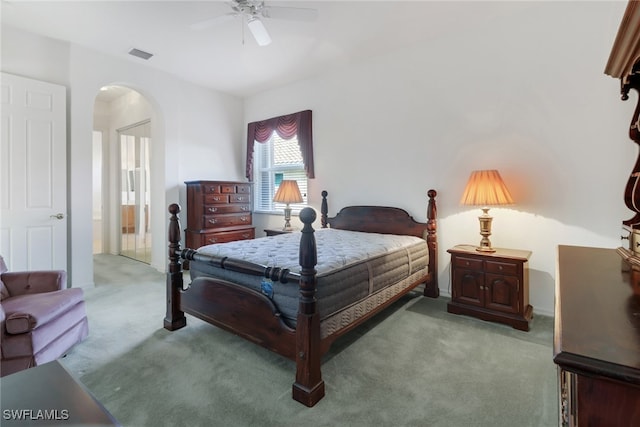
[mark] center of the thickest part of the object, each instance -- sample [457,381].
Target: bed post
[432,290]
[324,210]
[174,318]
[308,388]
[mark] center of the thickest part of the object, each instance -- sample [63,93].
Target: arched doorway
[122,173]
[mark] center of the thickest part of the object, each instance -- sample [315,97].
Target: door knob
[57,216]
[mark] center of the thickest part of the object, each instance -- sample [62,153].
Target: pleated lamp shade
[486,188]
[288,192]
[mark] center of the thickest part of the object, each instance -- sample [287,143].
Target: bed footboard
[248,313]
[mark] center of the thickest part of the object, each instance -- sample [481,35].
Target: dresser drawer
[228,188]
[225,209]
[228,236]
[470,263]
[226,220]
[216,198]
[211,188]
[243,189]
[239,198]
[501,267]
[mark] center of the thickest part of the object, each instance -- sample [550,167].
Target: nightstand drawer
[501,267]
[470,263]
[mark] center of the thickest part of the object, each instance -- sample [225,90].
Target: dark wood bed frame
[253,316]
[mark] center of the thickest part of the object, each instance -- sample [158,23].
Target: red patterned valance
[287,127]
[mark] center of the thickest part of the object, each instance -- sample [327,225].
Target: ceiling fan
[253,11]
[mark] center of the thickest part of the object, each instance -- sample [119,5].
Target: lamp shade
[486,188]
[288,192]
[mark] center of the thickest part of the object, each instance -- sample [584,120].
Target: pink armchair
[40,318]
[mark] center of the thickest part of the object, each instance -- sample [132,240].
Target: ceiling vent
[140,53]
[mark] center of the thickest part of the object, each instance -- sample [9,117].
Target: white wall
[196,131]
[524,94]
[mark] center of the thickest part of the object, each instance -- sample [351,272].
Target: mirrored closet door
[135,195]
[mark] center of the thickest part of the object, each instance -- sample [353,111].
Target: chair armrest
[34,282]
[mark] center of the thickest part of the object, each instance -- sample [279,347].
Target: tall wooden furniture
[596,339]
[491,285]
[218,212]
[597,314]
[624,64]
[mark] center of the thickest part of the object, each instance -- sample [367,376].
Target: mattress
[352,266]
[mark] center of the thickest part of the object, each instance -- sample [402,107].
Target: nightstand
[276,231]
[491,285]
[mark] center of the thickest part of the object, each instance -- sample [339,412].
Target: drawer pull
[213,209]
[216,198]
[240,199]
[244,219]
[246,235]
[500,267]
[245,208]
[212,240]
[467,263]
[212,221]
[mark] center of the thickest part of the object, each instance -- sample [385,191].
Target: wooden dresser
[596,339]
[218,212]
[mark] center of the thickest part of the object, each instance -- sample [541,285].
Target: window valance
[287,127]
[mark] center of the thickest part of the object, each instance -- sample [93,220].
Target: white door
[33,174]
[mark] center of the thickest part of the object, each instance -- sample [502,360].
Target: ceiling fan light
[259,31]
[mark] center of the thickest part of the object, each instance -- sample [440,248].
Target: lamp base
[485,231]
[287,219]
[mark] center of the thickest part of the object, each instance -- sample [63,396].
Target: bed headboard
[379,219]
[387,220]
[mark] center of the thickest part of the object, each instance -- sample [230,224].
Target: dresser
[596,339]
[491,285]
[218,212]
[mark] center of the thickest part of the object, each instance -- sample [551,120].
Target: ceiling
[225,57]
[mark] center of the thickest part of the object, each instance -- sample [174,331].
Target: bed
[296,298]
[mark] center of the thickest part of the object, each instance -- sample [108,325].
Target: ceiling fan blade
[290,13]
[212,22]
[259,31]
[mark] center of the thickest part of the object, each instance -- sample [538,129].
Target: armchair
[40,319]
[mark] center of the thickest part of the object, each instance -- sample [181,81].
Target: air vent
[140,53]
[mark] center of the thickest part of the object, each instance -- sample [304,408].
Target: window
[276,160]
[281,148]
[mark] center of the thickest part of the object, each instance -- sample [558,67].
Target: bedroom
[524,93]
[469,99]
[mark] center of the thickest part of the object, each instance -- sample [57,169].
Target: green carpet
[414,365]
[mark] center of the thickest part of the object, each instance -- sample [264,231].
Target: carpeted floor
[414,365]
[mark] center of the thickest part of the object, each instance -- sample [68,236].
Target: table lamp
[485,188]
[288,192]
